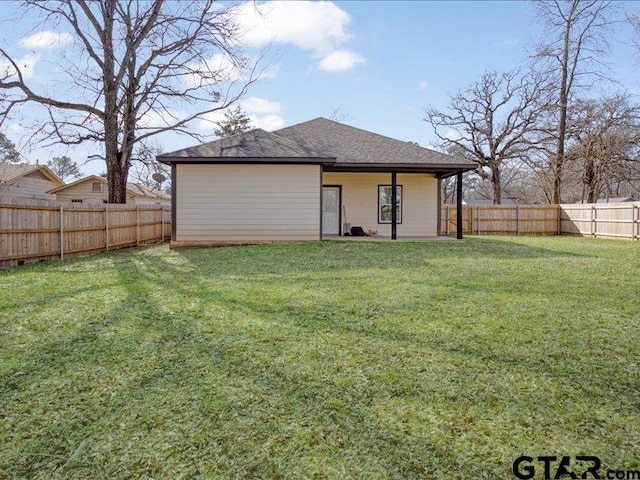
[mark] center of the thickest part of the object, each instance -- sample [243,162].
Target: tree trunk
[117,181]
[562,121]
[497,184]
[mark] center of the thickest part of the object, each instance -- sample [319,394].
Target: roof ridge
[369,132]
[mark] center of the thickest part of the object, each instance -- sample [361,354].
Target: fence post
[517,219]
[106,226]
[61,232]
[161,223]
[137,226]
[635,221]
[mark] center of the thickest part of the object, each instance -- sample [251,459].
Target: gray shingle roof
[256,143]
[351,145]
[320,138]
[9,171]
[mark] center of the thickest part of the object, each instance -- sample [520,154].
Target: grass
[321,360]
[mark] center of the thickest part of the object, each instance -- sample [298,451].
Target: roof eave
[325,161]
[441,170]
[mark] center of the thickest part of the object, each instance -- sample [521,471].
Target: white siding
[360,199]
[230,203]
[35,186]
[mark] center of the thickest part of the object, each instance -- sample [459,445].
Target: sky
[380,64]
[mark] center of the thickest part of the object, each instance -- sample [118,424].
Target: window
[76,200]
[96,187]
[384,203]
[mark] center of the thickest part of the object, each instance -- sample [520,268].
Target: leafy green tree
[8,152]
[235,121]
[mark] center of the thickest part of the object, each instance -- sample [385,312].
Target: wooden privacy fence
[32,230]
[614,220]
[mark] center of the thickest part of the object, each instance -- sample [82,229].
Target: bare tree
[130,68]
[64,167]
[492,120]
[147,170]
[339,115]
[605,135]
[573,51]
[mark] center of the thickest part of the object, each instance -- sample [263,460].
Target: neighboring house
[94,189]
[21,180]
[302,182]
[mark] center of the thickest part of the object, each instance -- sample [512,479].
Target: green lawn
[321,360]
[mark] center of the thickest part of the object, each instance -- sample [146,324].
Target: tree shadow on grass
[215,387]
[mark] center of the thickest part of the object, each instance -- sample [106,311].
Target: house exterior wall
[84,191]
[360,199]
[34,186]
[223,203]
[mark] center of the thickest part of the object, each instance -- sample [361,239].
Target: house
[303,182]
[94,189]
[22,180]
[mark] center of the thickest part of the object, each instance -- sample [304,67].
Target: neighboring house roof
[135,189]
[142,190]
[337,146]
[13,171]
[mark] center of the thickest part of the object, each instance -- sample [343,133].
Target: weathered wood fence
[613,220]
[34,230]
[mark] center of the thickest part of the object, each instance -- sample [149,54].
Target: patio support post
[459,205]
[394,206]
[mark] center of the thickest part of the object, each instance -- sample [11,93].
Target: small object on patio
[346,226]
[358,232]
[372,233]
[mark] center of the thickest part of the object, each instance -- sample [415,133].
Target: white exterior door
[330,210]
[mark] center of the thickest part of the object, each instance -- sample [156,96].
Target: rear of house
[305,182]
[25,181]
[94,190]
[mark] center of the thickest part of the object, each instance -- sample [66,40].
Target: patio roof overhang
[438,170]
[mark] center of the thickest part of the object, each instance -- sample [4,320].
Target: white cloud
[452,134]
[218,68]
[422,85]
[15,128]
[267,122]
[26,64]
[340,60]
[156,119]
[316,26]
[260,105]
[208,120]
[46,39]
